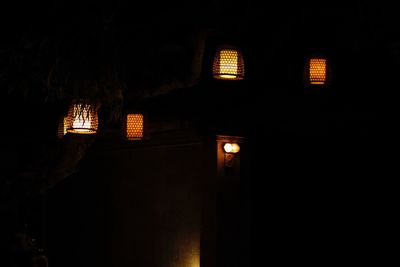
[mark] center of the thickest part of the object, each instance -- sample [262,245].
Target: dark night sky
[47,15]
[63,18]
[162,30]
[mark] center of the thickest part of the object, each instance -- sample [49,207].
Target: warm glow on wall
[82,119]
[186,247]
[228,64]
[317,71]
[134,126]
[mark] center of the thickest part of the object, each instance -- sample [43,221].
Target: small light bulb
[231,148]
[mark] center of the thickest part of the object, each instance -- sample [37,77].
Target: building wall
[132,204]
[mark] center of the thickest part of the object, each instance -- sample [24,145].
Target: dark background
[321,170]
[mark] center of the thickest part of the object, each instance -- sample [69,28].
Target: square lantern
[317,71]
[228,63]
[134,126]
[82,118]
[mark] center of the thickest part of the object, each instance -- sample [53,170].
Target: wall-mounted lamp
[228,63]
[134,126]
[82,119]
[230,150]
[317,71]
[228,156]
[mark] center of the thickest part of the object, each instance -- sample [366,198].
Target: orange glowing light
[317,69]
[82,119]
[65,125]
[134,126]
[228,65]
[62,127]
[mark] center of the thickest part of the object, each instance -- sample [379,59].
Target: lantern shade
[317,71]
[228,64]
[134,126]
[62,127]
[82,119]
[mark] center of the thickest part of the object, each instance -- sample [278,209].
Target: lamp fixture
[228,152]
[317,71]
[231,148]
[228,63]
[82,119]
[134,126]
[62,127]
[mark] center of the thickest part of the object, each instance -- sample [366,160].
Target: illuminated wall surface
[317,71]
[121,212]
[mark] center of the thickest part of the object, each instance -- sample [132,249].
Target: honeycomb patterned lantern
[317,71]
[228,64]
[82,119]
[62,127]
[134,126]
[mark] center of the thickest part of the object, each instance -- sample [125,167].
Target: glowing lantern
[317,71]
[228,64]
[134,126]
[82,119]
